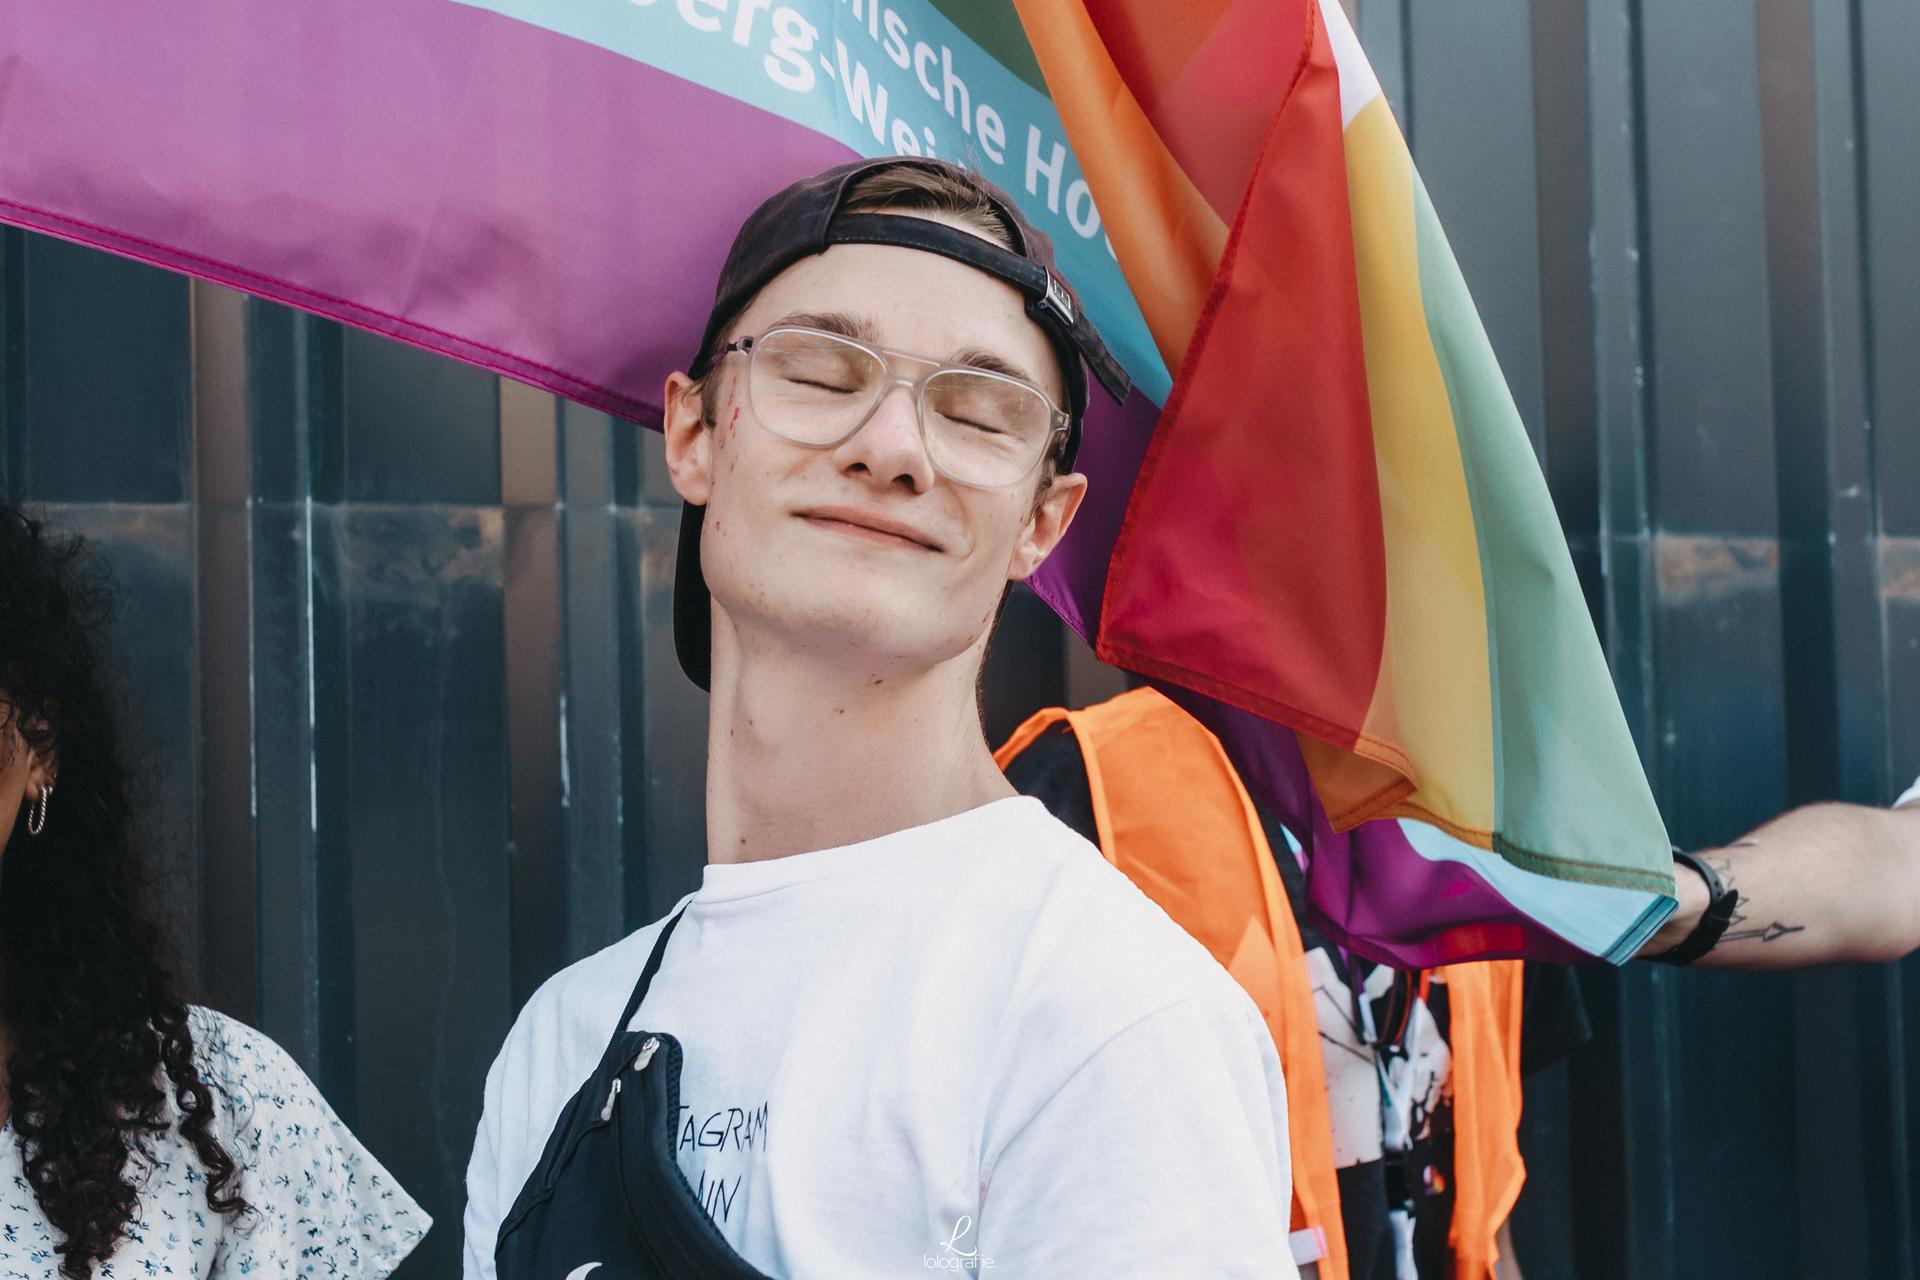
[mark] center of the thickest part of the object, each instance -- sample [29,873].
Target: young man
[925,1026]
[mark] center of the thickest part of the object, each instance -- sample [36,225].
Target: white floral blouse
[321,1205]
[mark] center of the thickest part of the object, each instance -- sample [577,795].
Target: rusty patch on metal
[416,554]
[1900,570]
[1697,568]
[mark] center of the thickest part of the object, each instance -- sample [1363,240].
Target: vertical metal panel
[1471,71]
[427,831]
[594,733]
[1382,28]
[223,624]
[418,427]
[1851,1171]
[13,341]
[1722,768]
[281,679]
[1708,279]
[529,483]
[104,377]
[1568,373]
[1889,34]
[1887,104]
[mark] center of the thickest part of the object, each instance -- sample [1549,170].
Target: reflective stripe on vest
[1173,815]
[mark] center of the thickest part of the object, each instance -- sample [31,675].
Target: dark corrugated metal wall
[400,630]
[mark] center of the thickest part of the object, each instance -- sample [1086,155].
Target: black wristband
[1713,921]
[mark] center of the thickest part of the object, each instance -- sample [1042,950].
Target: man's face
[864,550]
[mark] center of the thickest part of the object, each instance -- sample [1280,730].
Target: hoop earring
[37,815]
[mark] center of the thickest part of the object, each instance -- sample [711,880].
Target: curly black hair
[97,1023]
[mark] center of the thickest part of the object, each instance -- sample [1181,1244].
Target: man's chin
[892,634]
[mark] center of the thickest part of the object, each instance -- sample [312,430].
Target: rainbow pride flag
[1318,521]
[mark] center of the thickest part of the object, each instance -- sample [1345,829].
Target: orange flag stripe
[1168,239]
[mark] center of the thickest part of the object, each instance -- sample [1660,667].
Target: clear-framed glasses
[816,388]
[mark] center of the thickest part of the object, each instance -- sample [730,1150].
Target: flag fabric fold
[1317,522]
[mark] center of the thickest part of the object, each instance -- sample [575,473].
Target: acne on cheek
[733,433]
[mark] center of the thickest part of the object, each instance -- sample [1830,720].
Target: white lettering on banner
[1086,219]
[743,20]
[920,66]
[868,107]
[948,83]
[700,22]
[1050,168]
[790,63]
[786,63]
[992,134]
[855,70]
[896,41]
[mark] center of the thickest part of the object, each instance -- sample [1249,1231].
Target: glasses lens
[812,387]
[985,429]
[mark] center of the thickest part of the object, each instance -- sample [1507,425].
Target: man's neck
[805,754]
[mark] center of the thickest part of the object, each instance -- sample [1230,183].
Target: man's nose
[889,448]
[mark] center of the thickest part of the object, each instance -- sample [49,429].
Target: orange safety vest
[1174,816]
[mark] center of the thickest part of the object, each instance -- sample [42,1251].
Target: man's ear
[1047,525]
[689,440]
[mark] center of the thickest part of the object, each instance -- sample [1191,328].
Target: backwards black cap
[806,218]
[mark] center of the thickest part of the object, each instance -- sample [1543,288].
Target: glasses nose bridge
[892,360]
[893,377]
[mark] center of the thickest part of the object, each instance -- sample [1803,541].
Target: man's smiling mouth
[871,528]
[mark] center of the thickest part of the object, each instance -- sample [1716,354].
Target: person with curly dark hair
[140,1135]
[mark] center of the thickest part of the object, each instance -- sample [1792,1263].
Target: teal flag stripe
[1566,777]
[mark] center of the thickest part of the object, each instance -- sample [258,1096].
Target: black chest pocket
[607,1201]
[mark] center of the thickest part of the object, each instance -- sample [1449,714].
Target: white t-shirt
[1912,795]
[322,1206]
[971,1046]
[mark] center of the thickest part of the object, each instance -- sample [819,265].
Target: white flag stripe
[1358,84]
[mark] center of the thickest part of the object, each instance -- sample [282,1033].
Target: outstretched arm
[1824,884]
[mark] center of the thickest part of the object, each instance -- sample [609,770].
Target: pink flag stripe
[443,175]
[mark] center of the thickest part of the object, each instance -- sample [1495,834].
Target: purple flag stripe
[1369,888]
[487,189]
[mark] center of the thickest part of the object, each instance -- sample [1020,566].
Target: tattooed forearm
[1772,933]
[1827,883]
[1778,929]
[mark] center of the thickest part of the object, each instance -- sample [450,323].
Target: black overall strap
[646,974]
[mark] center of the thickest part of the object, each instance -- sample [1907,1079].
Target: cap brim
[692,606]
